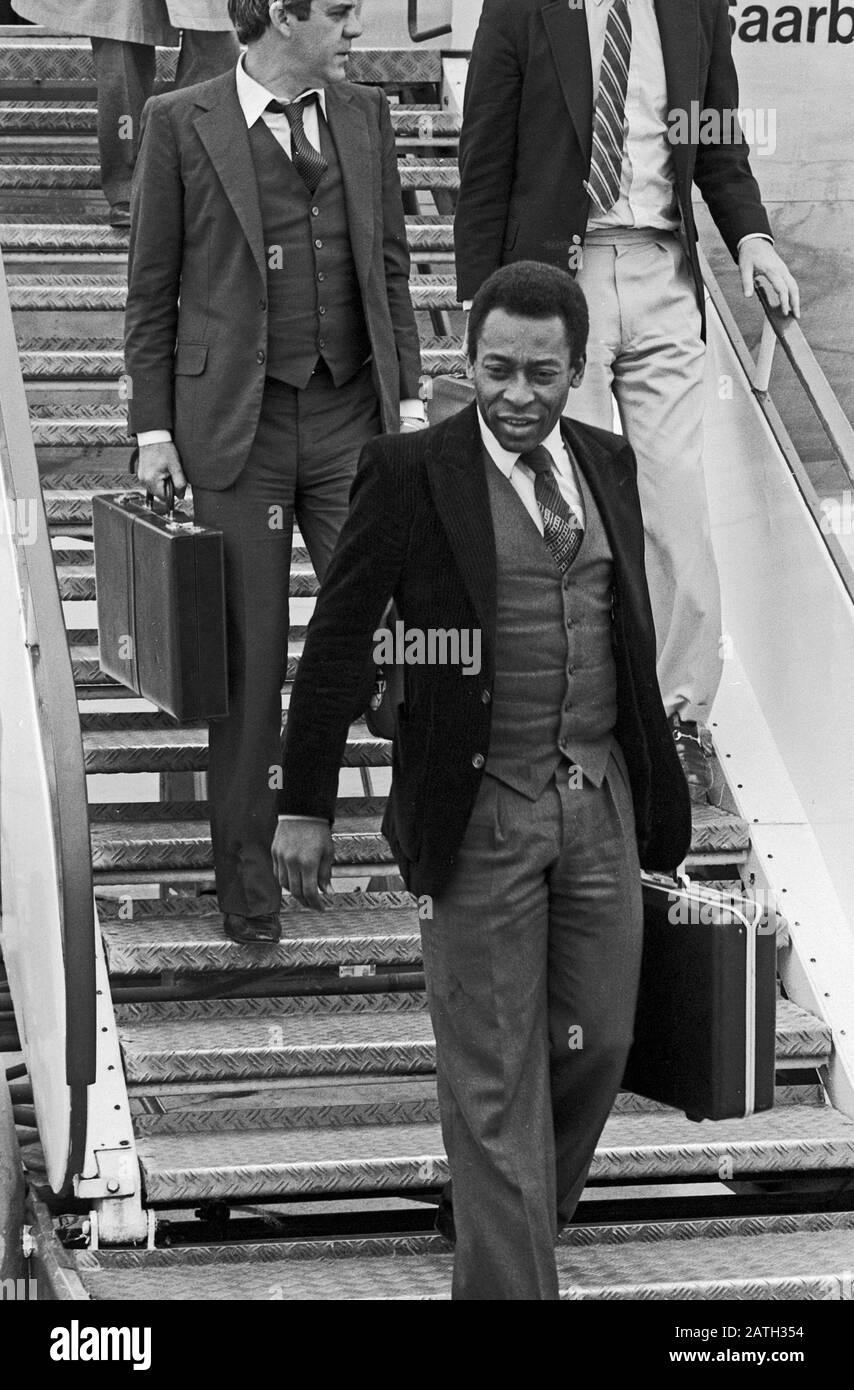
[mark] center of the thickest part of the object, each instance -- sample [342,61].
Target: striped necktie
[562,531]
[308,162]
[606,160]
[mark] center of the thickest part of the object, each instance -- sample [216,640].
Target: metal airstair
[219,1122]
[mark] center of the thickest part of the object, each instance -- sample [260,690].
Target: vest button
[478,760]
[486,696]
[262,303]
[570,622]
[321,275]
[321,310]
[570,670]
[321,343]
[318,243]
[315,212]
[260,357]
[568,705]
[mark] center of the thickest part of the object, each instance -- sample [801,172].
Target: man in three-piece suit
[579,147]
[270,333]
[524,794]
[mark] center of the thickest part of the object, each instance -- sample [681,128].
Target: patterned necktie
[562,531]
[308,162]
[606,160]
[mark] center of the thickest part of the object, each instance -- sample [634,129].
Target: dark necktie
[606,158]
[562,531]
[308,162]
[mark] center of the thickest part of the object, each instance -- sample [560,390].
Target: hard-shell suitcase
[161,604]
[706,1017]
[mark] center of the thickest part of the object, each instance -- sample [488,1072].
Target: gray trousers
[300,468]
[125,77]
[532,959]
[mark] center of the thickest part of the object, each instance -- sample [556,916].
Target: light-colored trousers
[645,347]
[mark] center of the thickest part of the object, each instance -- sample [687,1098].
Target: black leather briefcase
[706,1018]
[161,604]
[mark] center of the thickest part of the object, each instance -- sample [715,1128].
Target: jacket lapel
[597,464]
[566,28]
[222,130]
[455,470]
[678,28]
[349,129]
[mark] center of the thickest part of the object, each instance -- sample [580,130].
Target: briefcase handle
[169,487]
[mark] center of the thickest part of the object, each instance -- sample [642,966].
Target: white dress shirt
[521,477]
[647,195]
[253,100]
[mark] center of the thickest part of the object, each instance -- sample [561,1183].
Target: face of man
[522,375]
[318,46]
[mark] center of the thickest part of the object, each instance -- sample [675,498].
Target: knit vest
[313,299]
[555,690]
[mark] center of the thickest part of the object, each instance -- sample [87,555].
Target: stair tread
[738,1259]
[633,1147]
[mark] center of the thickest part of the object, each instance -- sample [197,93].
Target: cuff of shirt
[154,437]
[754,236]
[412,410]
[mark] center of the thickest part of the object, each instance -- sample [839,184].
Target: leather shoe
[694,747]
[253,930]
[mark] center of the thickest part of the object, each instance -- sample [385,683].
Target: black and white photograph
[426,666]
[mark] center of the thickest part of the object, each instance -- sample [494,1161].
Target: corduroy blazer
[528,129]
[420,530]
[196,318]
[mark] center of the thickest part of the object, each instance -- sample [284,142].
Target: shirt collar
[254,98]
[507,461]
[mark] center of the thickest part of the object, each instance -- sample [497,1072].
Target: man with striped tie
[269,333]
[524,795]
[570,154]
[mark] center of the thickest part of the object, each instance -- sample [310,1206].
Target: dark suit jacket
[527,133]
[196,323]
[420,530]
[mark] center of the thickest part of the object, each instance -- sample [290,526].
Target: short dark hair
[533,290]
[251,18]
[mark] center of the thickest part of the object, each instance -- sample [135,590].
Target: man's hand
[302,859]
[758,257]
[157,462]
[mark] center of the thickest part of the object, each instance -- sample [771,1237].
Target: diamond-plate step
[50,172]
[634,1148]
[77,582]
[87,667]
[83,293]
[69,119]
[43,368]
[338,936]
[187,845]
[186,750]
[742,1259]
[24,64]
[425,232]
[339,1035]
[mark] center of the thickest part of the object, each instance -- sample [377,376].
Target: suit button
[321,310]
[486,696]
[260,357]
[570,622]
[262,303]
[576,240]
[315,212]
[478,760]
[570,670]
[321,275]
[321,343]
[318,243]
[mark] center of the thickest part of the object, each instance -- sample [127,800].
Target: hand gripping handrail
[48,923]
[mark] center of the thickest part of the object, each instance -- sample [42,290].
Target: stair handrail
[783,328]
[64,858]
[422,35]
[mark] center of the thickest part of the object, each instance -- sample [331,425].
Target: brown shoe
[694,747]
[253,930]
